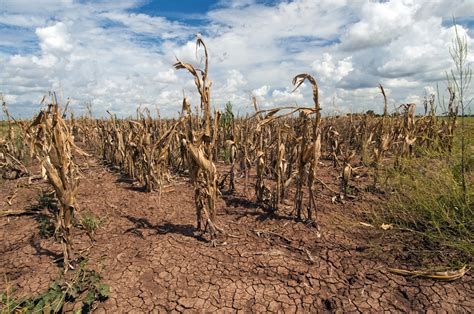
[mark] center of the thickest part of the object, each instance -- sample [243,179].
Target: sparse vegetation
[428,198]
[81,290]
[90,222]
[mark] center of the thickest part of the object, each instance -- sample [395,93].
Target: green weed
[83,287]
[90,223]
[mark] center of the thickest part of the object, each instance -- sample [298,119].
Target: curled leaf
[439,275]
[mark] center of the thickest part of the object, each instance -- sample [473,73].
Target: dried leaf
[439,275]
[386,226]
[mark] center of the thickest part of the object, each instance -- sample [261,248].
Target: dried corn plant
[270,156]
[346,158]
[244,151]
[13,147]
[53,147]
[382,139]
[198,144]
[141,148]
[10,167]
[405,134]
[232,147]
[310,150]
[365,139]
[334,140]
[158,154]
[262,192]
[280,170]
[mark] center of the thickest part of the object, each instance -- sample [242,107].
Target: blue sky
[188,11]
[118,55]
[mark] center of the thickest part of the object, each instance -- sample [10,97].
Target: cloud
[117,56]
[25,6]
[329,70]
[167,76]
[261,92]
[55,39]
[145,24]
[287,95]
[235,81]
[380,23]
[20,20]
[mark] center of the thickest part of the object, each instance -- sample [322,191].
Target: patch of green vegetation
[224,154]
[83,288]
[90,223]
[226,125]
[3,128]
[426,198]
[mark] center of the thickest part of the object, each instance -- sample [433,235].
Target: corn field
[282,148]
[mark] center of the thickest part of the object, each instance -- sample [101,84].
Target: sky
[118,55]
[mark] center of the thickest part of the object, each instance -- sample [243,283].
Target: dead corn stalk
[198,143]
[310,152]
[53,147]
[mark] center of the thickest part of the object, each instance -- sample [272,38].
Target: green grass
[427,199]
[3,128]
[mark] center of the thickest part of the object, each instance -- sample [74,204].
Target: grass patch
[426,199]
[3,129]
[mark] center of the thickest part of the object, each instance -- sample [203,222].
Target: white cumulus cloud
[117,57]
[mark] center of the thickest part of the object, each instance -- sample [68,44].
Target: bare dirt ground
[148,253]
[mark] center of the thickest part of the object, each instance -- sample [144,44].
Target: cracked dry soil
[148,253]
